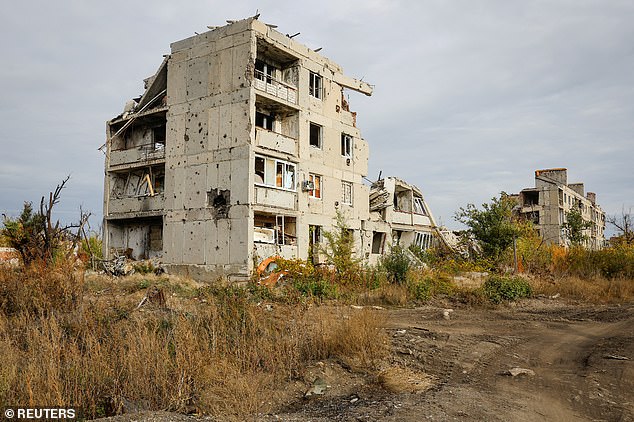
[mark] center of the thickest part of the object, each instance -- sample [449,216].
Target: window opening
[315,85]
[315,183]
[265,121]
[315,135]
[276,173]
[419,206]
[264,71]
[377,242]
[346,145]
[346,188]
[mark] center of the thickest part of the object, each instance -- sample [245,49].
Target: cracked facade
[243,146]
[548,203]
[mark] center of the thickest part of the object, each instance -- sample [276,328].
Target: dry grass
[597,290]
[218,353]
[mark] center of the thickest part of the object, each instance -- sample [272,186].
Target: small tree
[574,227]
[493,226]
[36,237]
[339,248]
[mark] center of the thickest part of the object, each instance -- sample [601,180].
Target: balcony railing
[272,86]
[141,155]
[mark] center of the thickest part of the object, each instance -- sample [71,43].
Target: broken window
[138,183]
[315,135]
[423,240]
[378,242]
[264,71]
[315,85]
[275,173]
[265,121]
[534,217]
[403,200]
[274,229]
[419,206]
[346,145]
[159,135]
[530,198]
[314,181]
[314,234]
[346,188]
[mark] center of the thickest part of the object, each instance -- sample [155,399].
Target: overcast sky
[470,96]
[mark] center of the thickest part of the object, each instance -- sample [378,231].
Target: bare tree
[37,237]
[624,225]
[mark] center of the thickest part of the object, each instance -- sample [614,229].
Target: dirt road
[581,358]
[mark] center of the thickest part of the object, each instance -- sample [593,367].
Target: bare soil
[581,357]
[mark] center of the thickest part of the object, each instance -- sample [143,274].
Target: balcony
[274,87]
[274,197]
[144,155]
[275,141]
[135,205]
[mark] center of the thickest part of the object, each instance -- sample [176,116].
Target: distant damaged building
[243,146]
[547,205]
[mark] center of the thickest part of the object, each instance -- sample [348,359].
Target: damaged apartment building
[547,205]
[242,147]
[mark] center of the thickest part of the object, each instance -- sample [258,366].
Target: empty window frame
[423,240]
[314,235]
[274,229]
[263,120]
[264,71]
[315,86]
[378,239]
[315,181]
[159,134]
[316,134]
[419,206]
[346,145]
[275,173]
[346,190]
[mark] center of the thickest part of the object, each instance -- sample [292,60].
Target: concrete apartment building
[548,203]
[243,146]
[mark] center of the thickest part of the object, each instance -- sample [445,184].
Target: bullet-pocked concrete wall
[208,144]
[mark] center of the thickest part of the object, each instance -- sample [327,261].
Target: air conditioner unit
[307,185]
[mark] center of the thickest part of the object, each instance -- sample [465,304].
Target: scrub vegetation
[108,345]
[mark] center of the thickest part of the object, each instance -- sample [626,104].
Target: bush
[40,289]
[396,264]
[500,288]
[429,286]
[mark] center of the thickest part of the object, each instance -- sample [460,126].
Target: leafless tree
[624,225]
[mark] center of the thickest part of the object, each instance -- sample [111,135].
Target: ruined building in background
[243,146]
[552,198]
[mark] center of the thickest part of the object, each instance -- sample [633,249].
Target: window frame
[267,119]
[346,145]
[418,202]
[315,85]
[275,164]
[344,187]
[316,180]
[268,72]
[320,135]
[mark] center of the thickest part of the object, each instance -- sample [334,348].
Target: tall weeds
[106,358]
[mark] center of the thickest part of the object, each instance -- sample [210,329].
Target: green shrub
[316,287]
[501,288]
[429,286]
[396,264]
